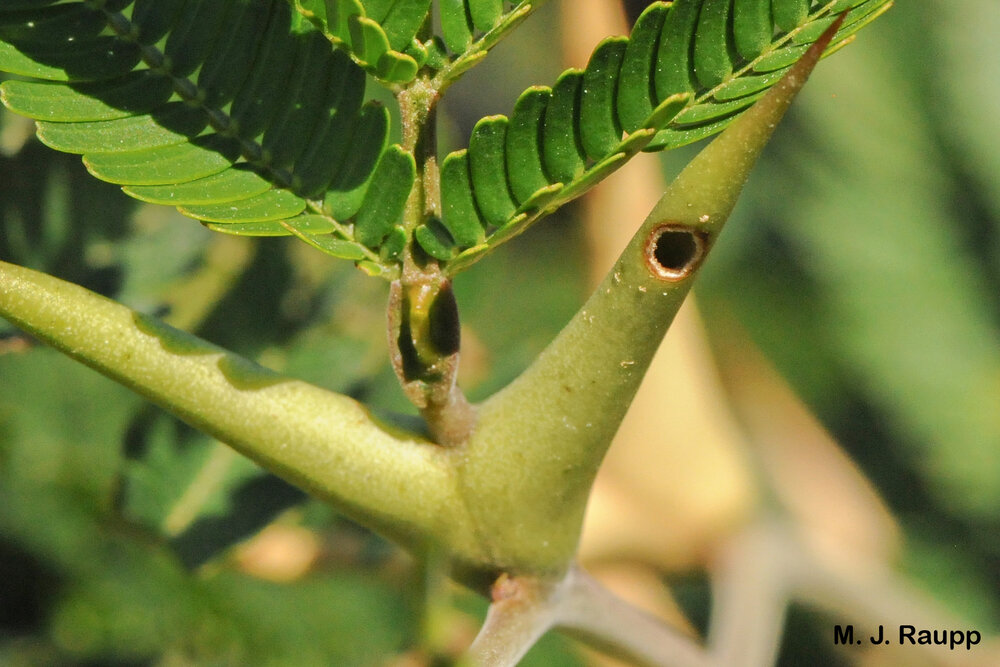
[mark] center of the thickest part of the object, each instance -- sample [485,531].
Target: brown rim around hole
[673,251]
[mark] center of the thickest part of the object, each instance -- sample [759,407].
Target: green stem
[539,442]
[323,442]
[422,317]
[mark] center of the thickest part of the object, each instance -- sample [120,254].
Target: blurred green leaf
[966,592]
[909,308]
[864,263]
[897,295]
[964,80]
[55,437]
[195,492]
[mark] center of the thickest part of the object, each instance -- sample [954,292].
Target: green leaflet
[401,20]
[174,123]
[562,154]
[92,60]
[752,28]
[386,197]
[456,28]
[376,33]
[458,207]
[329,146]
[712,63]
[346,192]
[689,68]
[788,14]
[177,163]
[486,170]
[368,41]
[306,224]
[435,241]
[524,155]
[674,69]
[392,40]
[485,14]
[195,35]
[171,100]
[133,94]
[270,205]
[313,230]
[230,185]
[600,129]
[635,94]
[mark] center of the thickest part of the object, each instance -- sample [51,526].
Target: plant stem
[598,617]
[323,442]
[750,593]
[523,609]
[866,590]
[760,570]
[424,329]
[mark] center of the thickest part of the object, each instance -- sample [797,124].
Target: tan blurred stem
[869,593]
[750,594]
[837,510]
[524,608]
[597,616]
[761,569]
[837,539]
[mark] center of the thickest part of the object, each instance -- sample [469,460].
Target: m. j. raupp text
[909,635]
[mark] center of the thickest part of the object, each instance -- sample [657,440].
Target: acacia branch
[323,442]
[572,399]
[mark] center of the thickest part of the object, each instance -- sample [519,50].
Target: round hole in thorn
[673,252]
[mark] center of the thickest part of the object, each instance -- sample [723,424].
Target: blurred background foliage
[864,261]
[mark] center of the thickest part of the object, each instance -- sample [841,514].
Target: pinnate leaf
[689,68]
[256,132]
[236,112]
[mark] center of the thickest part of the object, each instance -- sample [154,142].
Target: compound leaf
[159,97]
[237,112]
[392,39]
[689,68]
